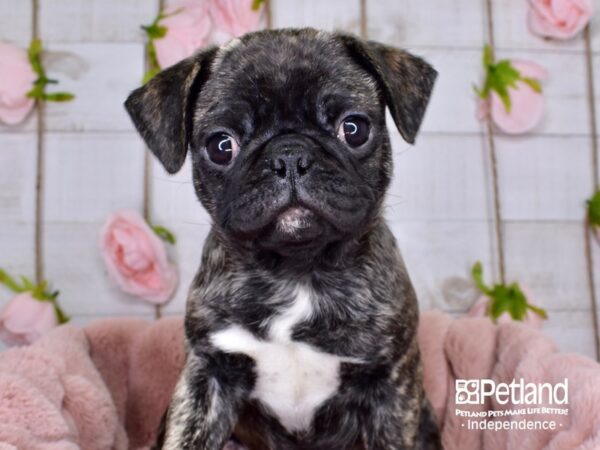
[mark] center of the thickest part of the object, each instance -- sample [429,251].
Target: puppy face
[287,133]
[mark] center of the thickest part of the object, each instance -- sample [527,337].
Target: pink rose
[479,309]
[527,105]
[559,19]
[136,258]
[235,17]
[188,25]
[16,80]
[25,319]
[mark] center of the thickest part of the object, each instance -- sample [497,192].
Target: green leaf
[518,302]
[39,291]
[149,75]
[506,74]
[256,4]
[165,234]
[477,274]
[37,92]
[28,285]
[488,58]
[34,54]
[539,311]
[499,302]
[593,209]
[155,31]
[60,314]
[58,97]
[10,282]
[533,84]
[500,76]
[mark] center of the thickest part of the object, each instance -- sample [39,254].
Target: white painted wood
[174,205]
[174,198]
[572,331]
[17,177]
[547,258]
[544,177]
[95,20]
[439,203]
[453,105]
[105,74]
[91,175]
[15,21]
[439,256]
[442,177]
[187,254]
[16,251]
[565,91]
[17,192]
[427,23]
[74,266]
[327,15]
[512,32]
[596,68]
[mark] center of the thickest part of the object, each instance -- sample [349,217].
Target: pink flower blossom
[136,258]
[559,19]
[16,80]
[188,26]
[235,17]
[527,105]
[479,309]
[25,319]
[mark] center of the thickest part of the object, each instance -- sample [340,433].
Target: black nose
[291,163]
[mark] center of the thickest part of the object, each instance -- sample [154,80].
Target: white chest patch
[294,378]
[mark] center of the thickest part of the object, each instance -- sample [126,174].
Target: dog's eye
[221,148]
[354,130]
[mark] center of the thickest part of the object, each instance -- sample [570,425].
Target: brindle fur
[276,91]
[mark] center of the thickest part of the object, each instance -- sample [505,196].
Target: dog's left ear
[162,109]
[406,81]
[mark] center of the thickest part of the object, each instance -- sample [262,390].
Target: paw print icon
[467,392]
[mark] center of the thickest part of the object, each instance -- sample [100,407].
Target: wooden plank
[596,68]
[427,23]
[572,331]
[174,205]
[190,241]
[17,197]
[91,175]
[544,177]
[512,32]
[174,198]
[94,20]
[74,266]
[16,251]
[439,257]
[453,105]
[443,177]
[15,21]
[547,258]
[565,91]
[17,177]
[327,15]
[104,76]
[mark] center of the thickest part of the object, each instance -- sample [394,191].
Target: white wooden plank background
[439,206]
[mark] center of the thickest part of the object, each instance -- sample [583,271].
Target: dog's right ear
[162,109]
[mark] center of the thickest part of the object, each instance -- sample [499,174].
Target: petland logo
[476,392]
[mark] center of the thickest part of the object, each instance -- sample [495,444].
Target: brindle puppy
[301,322]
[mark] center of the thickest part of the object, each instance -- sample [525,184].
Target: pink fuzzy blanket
[106,386]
